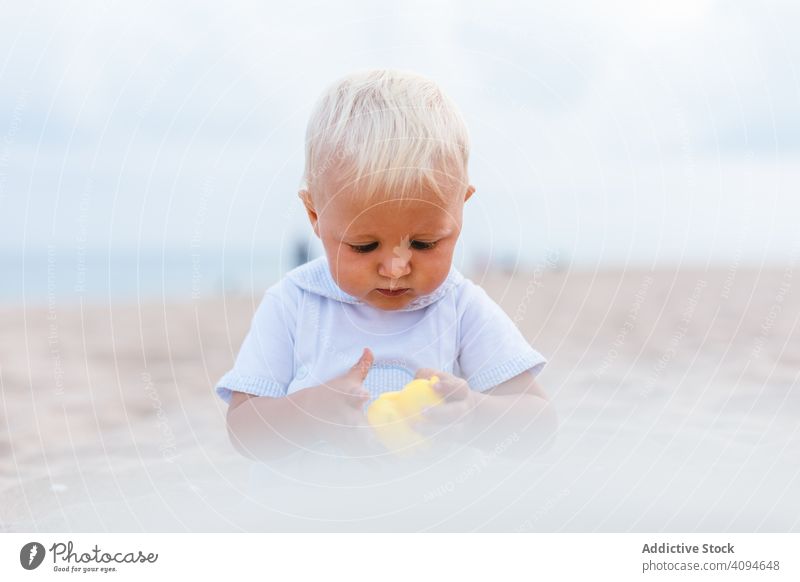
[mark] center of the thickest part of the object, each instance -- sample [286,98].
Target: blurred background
[153,149]
[636,165]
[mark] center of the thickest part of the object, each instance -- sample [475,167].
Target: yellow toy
[393,415]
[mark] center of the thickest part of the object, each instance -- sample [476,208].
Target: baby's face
[387,253]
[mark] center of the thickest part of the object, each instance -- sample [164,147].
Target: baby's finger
[427,373]
[443,387]
[450,388]
[361,368]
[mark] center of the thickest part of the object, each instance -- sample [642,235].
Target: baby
[385,186]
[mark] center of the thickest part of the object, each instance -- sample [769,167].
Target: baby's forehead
[371,217]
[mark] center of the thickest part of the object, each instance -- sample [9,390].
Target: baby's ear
[308,202]
[470,192]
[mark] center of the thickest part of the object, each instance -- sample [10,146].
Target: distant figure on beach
[386,181]
[302,252]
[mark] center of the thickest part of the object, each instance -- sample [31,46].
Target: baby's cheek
[355,278]
[436,274]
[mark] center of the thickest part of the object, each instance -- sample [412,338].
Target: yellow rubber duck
[393,415]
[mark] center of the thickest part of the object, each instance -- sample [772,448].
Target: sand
[677,392]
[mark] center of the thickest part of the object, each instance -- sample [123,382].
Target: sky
[612,134]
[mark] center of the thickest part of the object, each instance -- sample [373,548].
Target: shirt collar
[315,277]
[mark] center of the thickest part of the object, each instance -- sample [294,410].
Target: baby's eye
[422,246]
[364,248]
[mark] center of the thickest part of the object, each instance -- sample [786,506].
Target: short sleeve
[265,363]
[492,350]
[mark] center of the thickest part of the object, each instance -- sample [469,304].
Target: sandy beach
[677,392]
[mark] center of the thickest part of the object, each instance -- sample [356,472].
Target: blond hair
[387,134]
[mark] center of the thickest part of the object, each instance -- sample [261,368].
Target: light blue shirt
[307,331]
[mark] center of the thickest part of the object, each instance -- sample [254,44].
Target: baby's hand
[337,407]
[452,419]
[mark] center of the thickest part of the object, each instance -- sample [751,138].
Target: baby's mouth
[394,285]
[392,292]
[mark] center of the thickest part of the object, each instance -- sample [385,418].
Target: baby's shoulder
[281,301]
[469,295]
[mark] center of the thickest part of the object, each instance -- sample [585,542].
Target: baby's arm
[519,409]
[516,412]
[264,428]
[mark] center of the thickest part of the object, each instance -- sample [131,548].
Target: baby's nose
[398,263]
[394,268]
[400,267]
